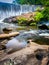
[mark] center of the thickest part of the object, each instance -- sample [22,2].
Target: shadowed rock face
[43,27]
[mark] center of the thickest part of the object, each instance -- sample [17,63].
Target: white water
[7,10]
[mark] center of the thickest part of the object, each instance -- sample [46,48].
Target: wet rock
[11,20]
[7,30]
[43,27]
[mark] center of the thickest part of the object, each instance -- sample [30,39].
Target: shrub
[45,13]
[38,16]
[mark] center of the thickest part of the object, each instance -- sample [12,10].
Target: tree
[38,2]
[26,1]
[45,2]
[45,13]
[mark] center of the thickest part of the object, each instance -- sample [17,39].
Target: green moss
[32,24]
[22,20]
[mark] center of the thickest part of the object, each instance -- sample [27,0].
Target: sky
[7,1]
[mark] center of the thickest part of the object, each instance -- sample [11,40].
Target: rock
[2,43]
[43,27]
[1,31]
[7,30]
[45,61]
[15,44]
[29,17]
[29,55]
[40,53]
[12,34]
[11,20]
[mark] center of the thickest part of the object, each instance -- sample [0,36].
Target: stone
[12,34]
[28,55]
[43,27]
[7,30]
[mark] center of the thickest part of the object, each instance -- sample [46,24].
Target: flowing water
[23,29]
[8,10]
[26,32]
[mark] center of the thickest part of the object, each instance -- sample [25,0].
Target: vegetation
[25,21]
[45,13]
[25,1]
[41,2]
[33,24]
[40,14]
[22,20]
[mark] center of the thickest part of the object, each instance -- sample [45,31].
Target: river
[31,34]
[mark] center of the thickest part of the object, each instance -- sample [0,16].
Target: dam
[8,9]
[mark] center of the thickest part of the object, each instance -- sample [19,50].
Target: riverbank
[34,54]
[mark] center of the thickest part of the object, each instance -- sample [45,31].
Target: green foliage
[37,2]
[45,2]
[38,16]
[42,2]
[26,1]
[45,12]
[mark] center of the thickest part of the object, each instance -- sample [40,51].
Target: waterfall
[8,10]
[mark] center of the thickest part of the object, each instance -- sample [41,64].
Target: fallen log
[12,34]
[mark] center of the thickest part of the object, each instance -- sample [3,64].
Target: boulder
[11,20]
[35,54]
[43,27]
